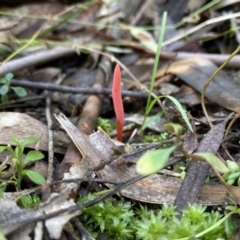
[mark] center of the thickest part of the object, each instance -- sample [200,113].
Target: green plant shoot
[213,160]
[156,62]
[6,87]
[19,162]
[233,175]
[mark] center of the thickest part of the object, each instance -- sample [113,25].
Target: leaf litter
[78,45]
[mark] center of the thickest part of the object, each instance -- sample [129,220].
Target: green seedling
[155,65]
[19,162]
[6,87]
[233,175]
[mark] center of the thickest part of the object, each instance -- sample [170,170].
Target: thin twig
[20,100]
[66,89]
[35,59]
[50,141]
[217,59]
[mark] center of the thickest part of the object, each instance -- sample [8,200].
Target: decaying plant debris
[64,54]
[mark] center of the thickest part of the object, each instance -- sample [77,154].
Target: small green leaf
[232,166]
[3,81]
[29,140]
[20,91]
[234,175]
[153,161]
[230,181]
[174,127]
[4,99]
[10,150]
[9,77]
[16,140]
[2,148]
[226,175]
[4,89]
[33,156]
[238,182]
[213,160]
[34,176]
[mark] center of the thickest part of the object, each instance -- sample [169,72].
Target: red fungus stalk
[117,101]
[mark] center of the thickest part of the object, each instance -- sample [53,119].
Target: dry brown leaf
[196,71]
[29,26]
[21,125]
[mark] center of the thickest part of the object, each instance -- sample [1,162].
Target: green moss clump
[119,220]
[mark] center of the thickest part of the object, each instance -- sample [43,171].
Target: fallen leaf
[196,71]
[198,171]
[155,124]
[22,126]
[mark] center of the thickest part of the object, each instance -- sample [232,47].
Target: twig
[35,58]
[50,141]
[218,59]
[66,89]
[20,100]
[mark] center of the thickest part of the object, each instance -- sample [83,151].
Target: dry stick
[20,100]
[197,170]
[39,189]
[209,81]
[218,59]
[66,89]
[36,58]
[50,141]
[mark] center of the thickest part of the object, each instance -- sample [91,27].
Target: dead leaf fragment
[196,71]
[21,125]
[198,171]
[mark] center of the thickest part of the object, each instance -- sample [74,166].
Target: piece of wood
[197,171]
